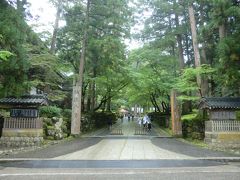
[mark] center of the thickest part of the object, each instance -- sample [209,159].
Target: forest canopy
[191,46]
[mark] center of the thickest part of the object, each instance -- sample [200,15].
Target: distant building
[24,126]
[222,129]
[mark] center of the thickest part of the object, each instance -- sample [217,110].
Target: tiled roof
[220,103]
[25,100]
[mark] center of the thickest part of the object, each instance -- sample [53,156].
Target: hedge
[162,119]
[193,126]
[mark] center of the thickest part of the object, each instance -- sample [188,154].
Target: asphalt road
[197,173]
[206,164]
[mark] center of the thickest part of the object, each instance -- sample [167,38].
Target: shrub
[238,115]
[100,119]
[50,111]
[162,119]
[193,126]
[67,113]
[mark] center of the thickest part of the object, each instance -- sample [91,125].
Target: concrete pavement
[135,147]
[126,147]
[104,146]
[122,149]
[221,172]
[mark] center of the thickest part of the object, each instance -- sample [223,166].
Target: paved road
[199,173]
[104,156]
[103,146]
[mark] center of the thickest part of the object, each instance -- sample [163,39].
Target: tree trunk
[109,100]
[222,31]
[195,42]
[76,114]
[179,42]
[204,80]
[180,51]
[55,29]
[176,115]
[93,90]
[154,102]
[89,96]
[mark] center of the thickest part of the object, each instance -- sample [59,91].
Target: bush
[50,111]
[193,126]
[67,113]
[162,119]
[100,119]
[238,115]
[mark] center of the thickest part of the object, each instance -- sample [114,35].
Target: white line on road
[146,171]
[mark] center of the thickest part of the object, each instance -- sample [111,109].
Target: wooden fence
[140,130]
[223,126]
[22,123]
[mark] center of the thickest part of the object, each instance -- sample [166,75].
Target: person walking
[145,120]
[140,122]
[149,125]
[109,124]
[129,116]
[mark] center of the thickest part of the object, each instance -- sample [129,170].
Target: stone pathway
[126,147]
[123,149]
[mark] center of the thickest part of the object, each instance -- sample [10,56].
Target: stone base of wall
[20,141]
[21,137]
[22,132]
[229,140]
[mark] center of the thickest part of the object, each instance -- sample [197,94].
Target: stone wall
[21,137]
[225,137]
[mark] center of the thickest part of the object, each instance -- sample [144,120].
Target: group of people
[130,116]
[145,122]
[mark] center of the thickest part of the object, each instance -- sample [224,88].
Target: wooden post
[176,115]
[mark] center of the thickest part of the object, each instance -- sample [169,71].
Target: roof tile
[220,103]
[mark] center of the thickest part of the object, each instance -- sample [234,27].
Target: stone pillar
[75,122]
[175,115]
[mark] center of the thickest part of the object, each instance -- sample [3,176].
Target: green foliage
[105,51]
[4,55]
[238,115]
[193,125]
[151,73]
[13,30]
[188,117]
[101,119]
[50,111]
[228,73]
[187,82]
[67,114]
[162,119]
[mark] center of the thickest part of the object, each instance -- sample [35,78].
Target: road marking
[160,171]
[233,158]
